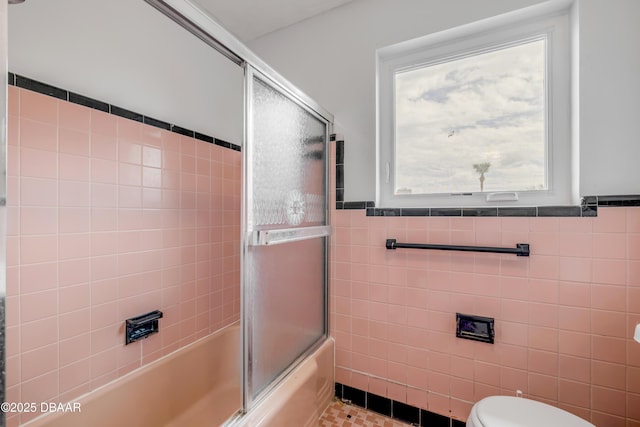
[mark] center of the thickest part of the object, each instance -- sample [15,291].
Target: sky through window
[473,123]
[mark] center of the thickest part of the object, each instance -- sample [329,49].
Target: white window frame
[552,20]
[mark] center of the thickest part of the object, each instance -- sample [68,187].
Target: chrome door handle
[286,235]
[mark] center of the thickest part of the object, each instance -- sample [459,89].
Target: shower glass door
[285,233]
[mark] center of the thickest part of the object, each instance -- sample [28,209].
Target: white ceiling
[250,19]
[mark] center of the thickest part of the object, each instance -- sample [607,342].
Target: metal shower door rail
[199,23]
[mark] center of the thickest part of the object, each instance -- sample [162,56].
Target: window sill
[588,208]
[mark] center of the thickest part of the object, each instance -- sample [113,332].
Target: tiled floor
[340,414]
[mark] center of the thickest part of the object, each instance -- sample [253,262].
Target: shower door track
[195,20]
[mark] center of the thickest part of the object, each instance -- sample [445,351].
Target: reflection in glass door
[285,233]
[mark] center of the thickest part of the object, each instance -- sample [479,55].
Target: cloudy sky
[487,108]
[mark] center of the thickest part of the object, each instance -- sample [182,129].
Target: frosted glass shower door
[285,220]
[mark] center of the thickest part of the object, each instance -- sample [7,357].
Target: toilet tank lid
[509,411]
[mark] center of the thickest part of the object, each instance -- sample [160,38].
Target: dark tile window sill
[588,208]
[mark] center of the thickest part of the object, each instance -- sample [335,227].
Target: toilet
[509,411]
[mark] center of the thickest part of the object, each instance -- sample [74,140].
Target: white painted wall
[609,96]
[126,53]
[332,58]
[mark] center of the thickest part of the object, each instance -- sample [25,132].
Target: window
[478,115]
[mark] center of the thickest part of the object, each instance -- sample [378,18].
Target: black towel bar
[521,249]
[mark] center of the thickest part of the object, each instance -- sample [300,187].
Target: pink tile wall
[564,316]
[109,219]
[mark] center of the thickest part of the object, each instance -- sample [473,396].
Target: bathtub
[199,385]
[301,398]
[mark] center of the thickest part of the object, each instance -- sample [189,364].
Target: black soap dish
[475,328]
[142,326]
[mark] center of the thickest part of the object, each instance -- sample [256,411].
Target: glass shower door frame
[251,237]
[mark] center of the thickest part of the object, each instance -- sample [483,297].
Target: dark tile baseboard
[394,409]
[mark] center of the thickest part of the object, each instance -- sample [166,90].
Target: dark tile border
[588,208]
[429,419]
[339,171]
[89,102]
[384,212]
[65,95]
[357,205]
[589,211]
[205,138]
[479,211]
[379,404]
[43,88]
[157,123]
[621,201]
[407,413]
[558,211]
[182,131]
[127,114]
[355,396]
[394,409]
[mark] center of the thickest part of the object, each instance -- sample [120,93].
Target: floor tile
[340,414]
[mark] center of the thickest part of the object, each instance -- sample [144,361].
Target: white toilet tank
[508,411]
